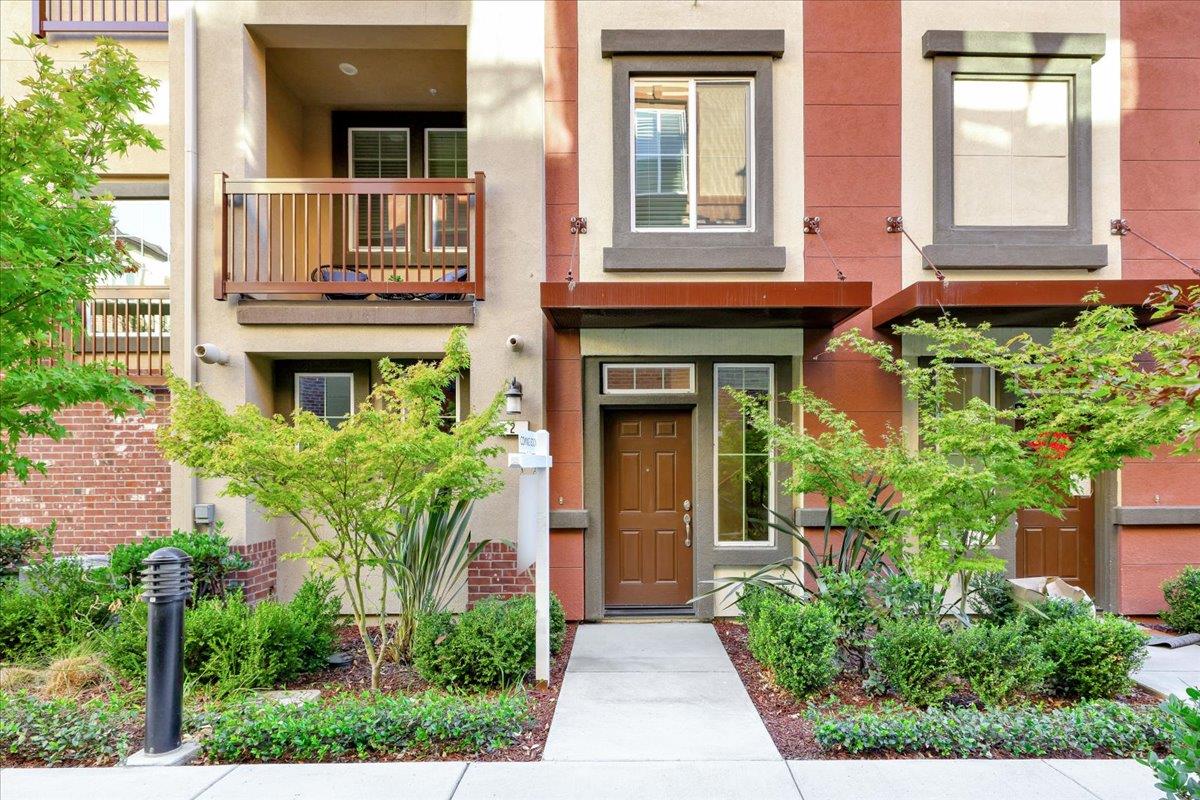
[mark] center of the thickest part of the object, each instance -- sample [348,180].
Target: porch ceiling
[1010,303]
[703,304]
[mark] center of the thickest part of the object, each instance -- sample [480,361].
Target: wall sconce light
[512,397]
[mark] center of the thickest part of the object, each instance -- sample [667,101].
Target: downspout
[191,306]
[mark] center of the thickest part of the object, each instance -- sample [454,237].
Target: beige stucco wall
[596,125]
[916,150]
[67,50]
[505,140]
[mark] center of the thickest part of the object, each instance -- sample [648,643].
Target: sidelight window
[743,471]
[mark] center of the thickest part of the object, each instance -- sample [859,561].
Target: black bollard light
[167,578]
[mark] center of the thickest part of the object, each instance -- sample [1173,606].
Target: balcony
[128,326]
[99,16]
[374,240]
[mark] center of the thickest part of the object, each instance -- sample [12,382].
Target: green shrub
[16,545]
[64,731]
[752,598]
[759,636]
[915,657]
[1097,727]
[491,645]
[993,597]
[1183,601]
[848,595]
[905,598]
[234,646]
[1092,656]
[212,559]
[999,661]
[362,726]
[797,642]
[1177,771]
[1055,609]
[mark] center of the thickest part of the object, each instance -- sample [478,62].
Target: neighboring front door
[647,496]
[1047,545]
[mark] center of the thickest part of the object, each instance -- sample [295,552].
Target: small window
[328,395]
[692,159]
[743,471]
[381,220]
[649,378]
[446,157]
[1011,148]
[143,229]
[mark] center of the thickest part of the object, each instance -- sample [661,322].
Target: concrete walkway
[1170,672]
[909,779]
[654,692]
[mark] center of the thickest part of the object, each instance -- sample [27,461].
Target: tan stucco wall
[505,140]
[596,125]
[918,16]
[67,50]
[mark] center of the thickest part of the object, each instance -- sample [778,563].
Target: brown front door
[1064,547]
[647,480]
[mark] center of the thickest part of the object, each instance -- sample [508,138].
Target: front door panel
[1047,545]
[647,478]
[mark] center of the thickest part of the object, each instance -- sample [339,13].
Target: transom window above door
[649,378]
[692,145]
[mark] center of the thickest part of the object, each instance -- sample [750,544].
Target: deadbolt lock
[687,505]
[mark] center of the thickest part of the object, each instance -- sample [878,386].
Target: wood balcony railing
[127,325]
[99,16]
[350,238]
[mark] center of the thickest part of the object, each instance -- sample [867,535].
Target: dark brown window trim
[694,251]
[1030,55]
[692,42]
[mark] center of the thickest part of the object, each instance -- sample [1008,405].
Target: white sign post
[533,533]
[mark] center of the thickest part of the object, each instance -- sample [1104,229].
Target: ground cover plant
[1178,771]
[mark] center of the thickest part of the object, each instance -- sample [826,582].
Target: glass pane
[618,379]
[730,491]
[973,381]
[143,228]
[660,154]
[678,378]
[337,396]
[730,424]
[447,154]
[758,473]
[723,145]
[311,394]
[648,379]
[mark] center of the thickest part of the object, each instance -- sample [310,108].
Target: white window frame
[353,199]
[296,389]
[429,216]
[693,156]
[772,503]
[691,368]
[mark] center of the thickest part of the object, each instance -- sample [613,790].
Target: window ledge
[1018,256]
[695,259]
[355,312]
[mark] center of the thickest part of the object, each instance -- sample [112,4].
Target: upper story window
[143,228]
[692,145]
[1012,149]
[691,142]
[446,157]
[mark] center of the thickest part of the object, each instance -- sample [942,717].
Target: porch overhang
[703,304]
[1027,304]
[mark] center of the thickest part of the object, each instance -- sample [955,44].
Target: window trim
[353,199]
[429,217]
[296,389]
[772,500]
[1017,246]
[693,153]
[604,370]
[683,250]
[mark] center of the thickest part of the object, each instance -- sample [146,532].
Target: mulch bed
[783,714]
[402,678]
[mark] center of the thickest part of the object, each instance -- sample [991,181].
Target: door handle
[687,530]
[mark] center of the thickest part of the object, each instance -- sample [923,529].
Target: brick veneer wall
[494,574]
[258,581]
[105,483]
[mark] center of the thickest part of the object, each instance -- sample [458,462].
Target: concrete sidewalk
[1170,672]
[909,779]
[654,692]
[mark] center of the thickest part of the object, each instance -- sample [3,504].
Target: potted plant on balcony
[331,274]
[456,275]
